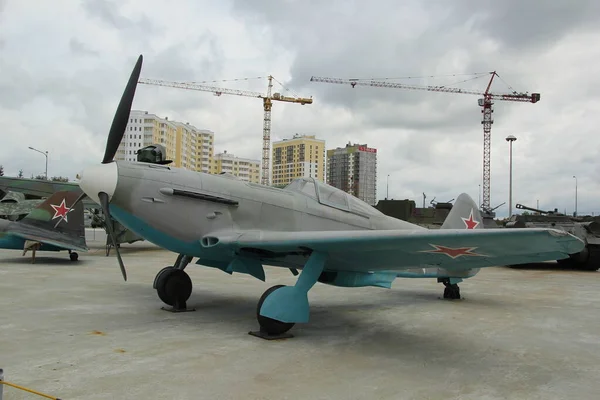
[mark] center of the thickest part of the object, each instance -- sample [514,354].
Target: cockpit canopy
[331,196]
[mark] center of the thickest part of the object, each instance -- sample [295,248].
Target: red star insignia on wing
[60,211]
[453,252]
[470,222]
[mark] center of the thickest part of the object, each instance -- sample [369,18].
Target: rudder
[55,213]
[464,214]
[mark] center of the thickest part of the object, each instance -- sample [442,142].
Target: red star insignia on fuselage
[453,252]
[470,222]
[60,211]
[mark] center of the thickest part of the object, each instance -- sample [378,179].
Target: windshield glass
[305,186]
[331,196]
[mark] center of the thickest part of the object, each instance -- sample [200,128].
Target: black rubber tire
[566,263]
[159,274]
[74,256]
[174,286]
[178,287]
[268,325]
[593,261]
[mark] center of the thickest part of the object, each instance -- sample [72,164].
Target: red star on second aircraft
[60,211]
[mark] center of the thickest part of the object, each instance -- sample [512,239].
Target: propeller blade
[81,197]
[103,197]
[119,124]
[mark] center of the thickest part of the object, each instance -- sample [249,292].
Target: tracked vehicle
[587,230]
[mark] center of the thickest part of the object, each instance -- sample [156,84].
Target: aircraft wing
[53,238]
[401,249]
[36,188]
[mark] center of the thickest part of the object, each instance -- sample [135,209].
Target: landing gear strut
[174,286]
[451,290]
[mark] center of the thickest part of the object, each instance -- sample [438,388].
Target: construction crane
[485,102]
[267,105]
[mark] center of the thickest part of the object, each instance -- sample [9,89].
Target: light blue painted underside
[364,251]
[14,242]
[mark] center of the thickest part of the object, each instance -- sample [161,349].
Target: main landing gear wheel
[73,256]
[451,290]
[174,287]
[270,328]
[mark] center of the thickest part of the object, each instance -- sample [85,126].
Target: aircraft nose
[99,178]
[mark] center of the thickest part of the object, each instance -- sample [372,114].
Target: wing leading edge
[401,249]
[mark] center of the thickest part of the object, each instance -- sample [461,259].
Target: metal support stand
[264,335]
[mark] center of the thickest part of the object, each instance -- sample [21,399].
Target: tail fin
[56,214]
[464,215]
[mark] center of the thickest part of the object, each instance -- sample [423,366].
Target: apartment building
[353,169]
[246,169]
[300,156]
[189,147]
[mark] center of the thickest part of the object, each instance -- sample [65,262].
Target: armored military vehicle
[431,217]
[587,230]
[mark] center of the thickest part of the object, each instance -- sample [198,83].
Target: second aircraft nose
[99,178]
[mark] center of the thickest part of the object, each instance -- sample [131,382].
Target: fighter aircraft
[54,225]
[19,196]
[331,236]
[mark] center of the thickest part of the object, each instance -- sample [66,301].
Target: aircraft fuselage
[175,208]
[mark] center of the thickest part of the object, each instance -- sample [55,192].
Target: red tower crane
[485,103]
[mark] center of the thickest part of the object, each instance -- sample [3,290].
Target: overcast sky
[64,64]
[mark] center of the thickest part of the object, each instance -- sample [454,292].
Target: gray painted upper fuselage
[141,187]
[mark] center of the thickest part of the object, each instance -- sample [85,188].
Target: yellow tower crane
[267,105]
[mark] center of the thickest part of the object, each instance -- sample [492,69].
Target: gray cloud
[108,12]
[64,69]
[525,42]
[521,25]
[78,48]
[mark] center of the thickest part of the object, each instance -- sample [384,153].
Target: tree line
[42,177]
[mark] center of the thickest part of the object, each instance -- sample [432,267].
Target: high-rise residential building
[189,147]
[300,156]
[205,150]
[246,169]
[353,169]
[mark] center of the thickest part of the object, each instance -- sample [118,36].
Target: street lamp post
[45,155]
[575,195]
[510,139]
[387,188]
